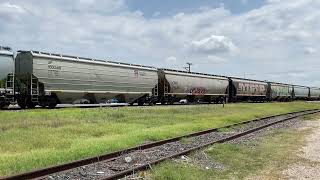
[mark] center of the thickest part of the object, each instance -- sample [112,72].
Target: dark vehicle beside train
[45,79]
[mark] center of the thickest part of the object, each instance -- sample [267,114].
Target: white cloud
[213,44]
[310,50]
[171,60]
[8,7]
[11,12]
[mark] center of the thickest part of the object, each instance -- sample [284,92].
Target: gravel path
[309,165]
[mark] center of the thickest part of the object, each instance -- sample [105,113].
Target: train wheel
[52,102]
[2,106]
[42,104]
[51,106]
[30,104]
[22,103]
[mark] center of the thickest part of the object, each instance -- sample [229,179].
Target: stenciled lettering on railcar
[138,73]
[250,88]
[198,91]
[53,70]
[54,67]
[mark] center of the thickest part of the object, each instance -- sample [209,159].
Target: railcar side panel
[6,77]
[184,84]
[301,92]
[315,93]
[6,67]
[72,79]
[250,88]
[279,91]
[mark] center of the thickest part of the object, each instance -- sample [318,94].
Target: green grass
[264,160]
[38,138]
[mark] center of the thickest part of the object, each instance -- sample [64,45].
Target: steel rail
[40,173]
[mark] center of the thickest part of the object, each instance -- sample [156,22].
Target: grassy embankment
[39,138]
[265,158]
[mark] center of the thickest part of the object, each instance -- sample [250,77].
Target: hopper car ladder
[166,88]
[10,87]
[34,89]
[156,90]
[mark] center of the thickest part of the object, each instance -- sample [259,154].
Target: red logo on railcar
[198,91]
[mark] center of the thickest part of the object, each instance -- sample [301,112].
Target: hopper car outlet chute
[48,79]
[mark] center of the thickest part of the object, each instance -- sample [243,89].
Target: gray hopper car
[300,92]
[244,90]
[314,93]
[6,76]
[280,92]
[48,79]
[175,85]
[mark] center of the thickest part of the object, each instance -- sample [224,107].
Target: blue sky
[275,40]
[152,8]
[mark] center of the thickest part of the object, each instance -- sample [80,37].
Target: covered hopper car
[48,79]
[175,85]
[245,89]
[314,93]
[280,92]
[301,92]
[6,76]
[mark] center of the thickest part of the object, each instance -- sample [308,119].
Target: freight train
[34,78]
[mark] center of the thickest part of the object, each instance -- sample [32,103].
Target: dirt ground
[308,166]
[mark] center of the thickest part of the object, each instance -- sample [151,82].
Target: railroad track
[121,163]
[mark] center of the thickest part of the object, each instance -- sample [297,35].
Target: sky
[274,40]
